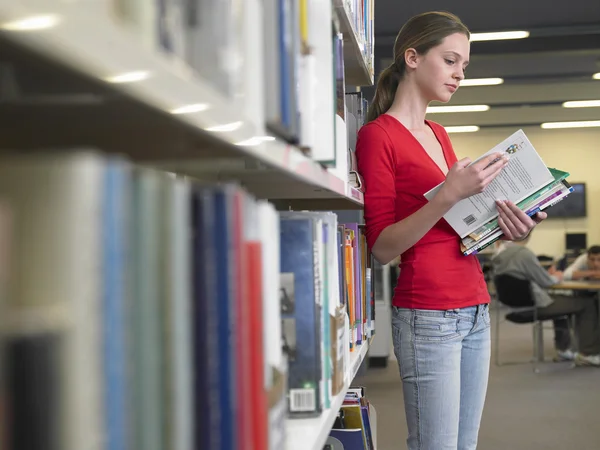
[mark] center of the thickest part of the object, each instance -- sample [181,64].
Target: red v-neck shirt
[396,172]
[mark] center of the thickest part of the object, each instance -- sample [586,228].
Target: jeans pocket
[428,328]
[486,317]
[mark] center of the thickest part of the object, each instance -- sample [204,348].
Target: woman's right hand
[464,180]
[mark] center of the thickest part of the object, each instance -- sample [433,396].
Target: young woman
[440,320]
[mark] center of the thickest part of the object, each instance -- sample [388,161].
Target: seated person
[585,267]
[517,260]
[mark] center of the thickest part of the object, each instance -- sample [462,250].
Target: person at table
[585,267]
[518,261]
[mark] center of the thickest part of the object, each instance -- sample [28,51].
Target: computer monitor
[576,241]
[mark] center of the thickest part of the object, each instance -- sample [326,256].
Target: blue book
[207,359]
[301,315]
[115,221]
[225,297]
[352,438]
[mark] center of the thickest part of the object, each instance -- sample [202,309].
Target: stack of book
[540,200]
[525,181]
[355,424]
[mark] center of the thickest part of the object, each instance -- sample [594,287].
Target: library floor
[554,410]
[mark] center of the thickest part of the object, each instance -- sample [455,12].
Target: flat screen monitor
[576,241]
[572,206]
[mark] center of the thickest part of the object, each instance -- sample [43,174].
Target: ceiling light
[226,127]
[129,77]
[457,109]
[582,104]
[579,124]
[190,109]
[462,129]
[481,82]
[596,76]
[499,36]
[32,23]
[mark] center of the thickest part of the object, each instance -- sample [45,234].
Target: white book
[321,42]
[525,174]
[56,290]
[269,238]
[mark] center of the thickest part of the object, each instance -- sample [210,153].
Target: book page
[524,174]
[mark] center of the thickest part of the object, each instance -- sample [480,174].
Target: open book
[525,181]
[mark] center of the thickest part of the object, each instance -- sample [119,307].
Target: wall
[574,151]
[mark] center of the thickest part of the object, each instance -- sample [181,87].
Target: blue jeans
[444,359]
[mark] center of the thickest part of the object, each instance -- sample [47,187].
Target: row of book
[280,61]
[549,195]
[362,16]
[355,426]
[142,310]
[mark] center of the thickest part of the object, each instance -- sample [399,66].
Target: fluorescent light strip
[256,140]
[225,127]
[596,76]
[462,129]
[190,109]
[481,82]
[579,124]
[582,104]
[499,36]
[457,109]
[32,23]
[129,77]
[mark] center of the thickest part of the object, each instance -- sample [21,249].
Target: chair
[517,296]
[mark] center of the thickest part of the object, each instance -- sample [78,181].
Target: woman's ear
[411,58]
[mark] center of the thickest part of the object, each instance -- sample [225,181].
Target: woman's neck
[409,106]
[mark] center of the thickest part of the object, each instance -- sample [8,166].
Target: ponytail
[387,84]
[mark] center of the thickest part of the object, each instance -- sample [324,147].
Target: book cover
[51,324]
[177,315]
[205,323]
[301,315]
[226,303]
[116,216]
[146,314]
[525,174]
[257,405]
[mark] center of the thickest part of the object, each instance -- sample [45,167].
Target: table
[577,286]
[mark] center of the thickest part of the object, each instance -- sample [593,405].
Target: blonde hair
[422,32]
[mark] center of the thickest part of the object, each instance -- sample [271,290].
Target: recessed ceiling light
[462,129]
[578,124]
[499,36]
[32,23]
[226,127]
[582,104]
[190,109]
[457,109]
[481,82]
[596,76]
[129,77]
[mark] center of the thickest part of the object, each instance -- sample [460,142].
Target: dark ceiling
[485,15]
[554,64]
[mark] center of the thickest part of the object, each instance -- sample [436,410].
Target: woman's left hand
[514,223]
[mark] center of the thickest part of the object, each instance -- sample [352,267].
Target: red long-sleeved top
[396,172]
